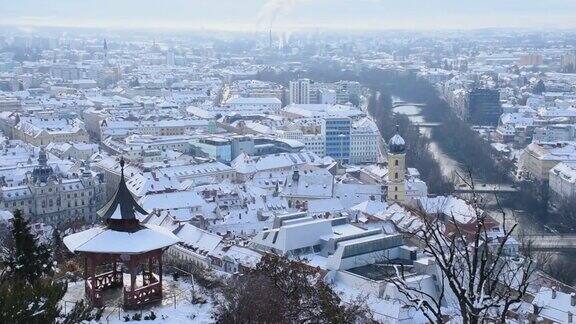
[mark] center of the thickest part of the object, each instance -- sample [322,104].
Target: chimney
[573,299]
[570,317]
[554,292]
[535,309]
[296,176]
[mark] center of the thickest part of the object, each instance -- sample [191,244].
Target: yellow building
[396,170]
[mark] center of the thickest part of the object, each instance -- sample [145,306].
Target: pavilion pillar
[160,271]
[92,265]
[150,270]
[85,270]
[114,272]
[87,291]
[133,274]
[144,275]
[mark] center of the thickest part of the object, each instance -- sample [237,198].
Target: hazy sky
[259,14]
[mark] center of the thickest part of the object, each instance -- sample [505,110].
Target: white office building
[562,180]
[300,91]
[364,141]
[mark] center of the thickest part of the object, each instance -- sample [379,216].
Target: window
[396,162]
[396,175]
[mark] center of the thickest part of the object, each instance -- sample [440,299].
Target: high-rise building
[568,62]
[532,59]
[171,58]
[336,131]
[300,91]
[396,170]
[347,91]
[484,107]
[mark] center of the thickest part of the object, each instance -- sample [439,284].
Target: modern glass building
[336,131]
[217,148]
[484,107]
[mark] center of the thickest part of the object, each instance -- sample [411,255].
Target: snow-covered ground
[184,312]
[176,306]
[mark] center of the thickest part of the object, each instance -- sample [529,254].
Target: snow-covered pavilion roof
[123,232]
[102,239]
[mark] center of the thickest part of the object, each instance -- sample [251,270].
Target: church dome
[396,145]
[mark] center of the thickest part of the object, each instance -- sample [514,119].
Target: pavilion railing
[109,279]
[142,295]
[149,278]
[102,281]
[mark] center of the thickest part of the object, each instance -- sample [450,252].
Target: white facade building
[314,142]
[300,91]
[364,141]
[562,180]
[264,104]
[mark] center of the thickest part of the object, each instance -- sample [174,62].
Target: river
[450,167]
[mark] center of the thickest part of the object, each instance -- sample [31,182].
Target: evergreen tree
[28,293]
[26,260]
[30,303]
[58,248]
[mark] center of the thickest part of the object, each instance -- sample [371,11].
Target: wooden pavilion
[122,243]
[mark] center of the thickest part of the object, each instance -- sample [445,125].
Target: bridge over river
[486,188]
[551,242]
[399,103]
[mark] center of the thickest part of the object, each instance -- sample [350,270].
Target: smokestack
[270,38]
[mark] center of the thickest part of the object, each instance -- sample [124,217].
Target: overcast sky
[260,14]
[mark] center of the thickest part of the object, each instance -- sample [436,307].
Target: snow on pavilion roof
[123,233]
[101,239]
